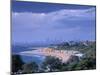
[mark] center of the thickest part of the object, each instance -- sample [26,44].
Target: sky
[36,22]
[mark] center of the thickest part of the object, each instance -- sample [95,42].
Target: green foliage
[30,68]
[71,64]
[88,48]
[86,63]
[16,63]
[51,64]
[19,67]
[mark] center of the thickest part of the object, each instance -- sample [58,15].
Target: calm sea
[36,58]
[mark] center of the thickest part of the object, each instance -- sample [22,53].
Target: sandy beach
[63,55]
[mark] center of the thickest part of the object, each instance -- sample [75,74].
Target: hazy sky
[44,22]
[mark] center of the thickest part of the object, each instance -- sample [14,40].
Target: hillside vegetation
[52,64]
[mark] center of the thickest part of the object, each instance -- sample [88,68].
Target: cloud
[57,23]
[54,17]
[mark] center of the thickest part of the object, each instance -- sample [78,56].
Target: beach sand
[61,54]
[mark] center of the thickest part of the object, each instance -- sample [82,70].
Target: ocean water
[26,58]
[37,59]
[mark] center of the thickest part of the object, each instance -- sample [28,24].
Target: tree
[16,63]
[71,64]
[31,67]
[51,64]
[86,63]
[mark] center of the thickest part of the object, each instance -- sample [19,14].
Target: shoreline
[63,55]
